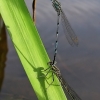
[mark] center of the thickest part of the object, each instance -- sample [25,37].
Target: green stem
[30,49]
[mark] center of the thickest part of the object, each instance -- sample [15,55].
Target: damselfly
[70,92]
[69,33]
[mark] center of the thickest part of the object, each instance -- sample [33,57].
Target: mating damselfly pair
[72,39]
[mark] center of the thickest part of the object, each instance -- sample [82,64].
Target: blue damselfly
[69,33]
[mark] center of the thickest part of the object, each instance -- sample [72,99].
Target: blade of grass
[29,47]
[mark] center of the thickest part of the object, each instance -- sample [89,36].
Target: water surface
[80,66]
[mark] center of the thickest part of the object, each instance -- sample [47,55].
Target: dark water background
[80,66]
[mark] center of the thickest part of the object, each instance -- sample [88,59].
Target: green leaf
[30,49]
